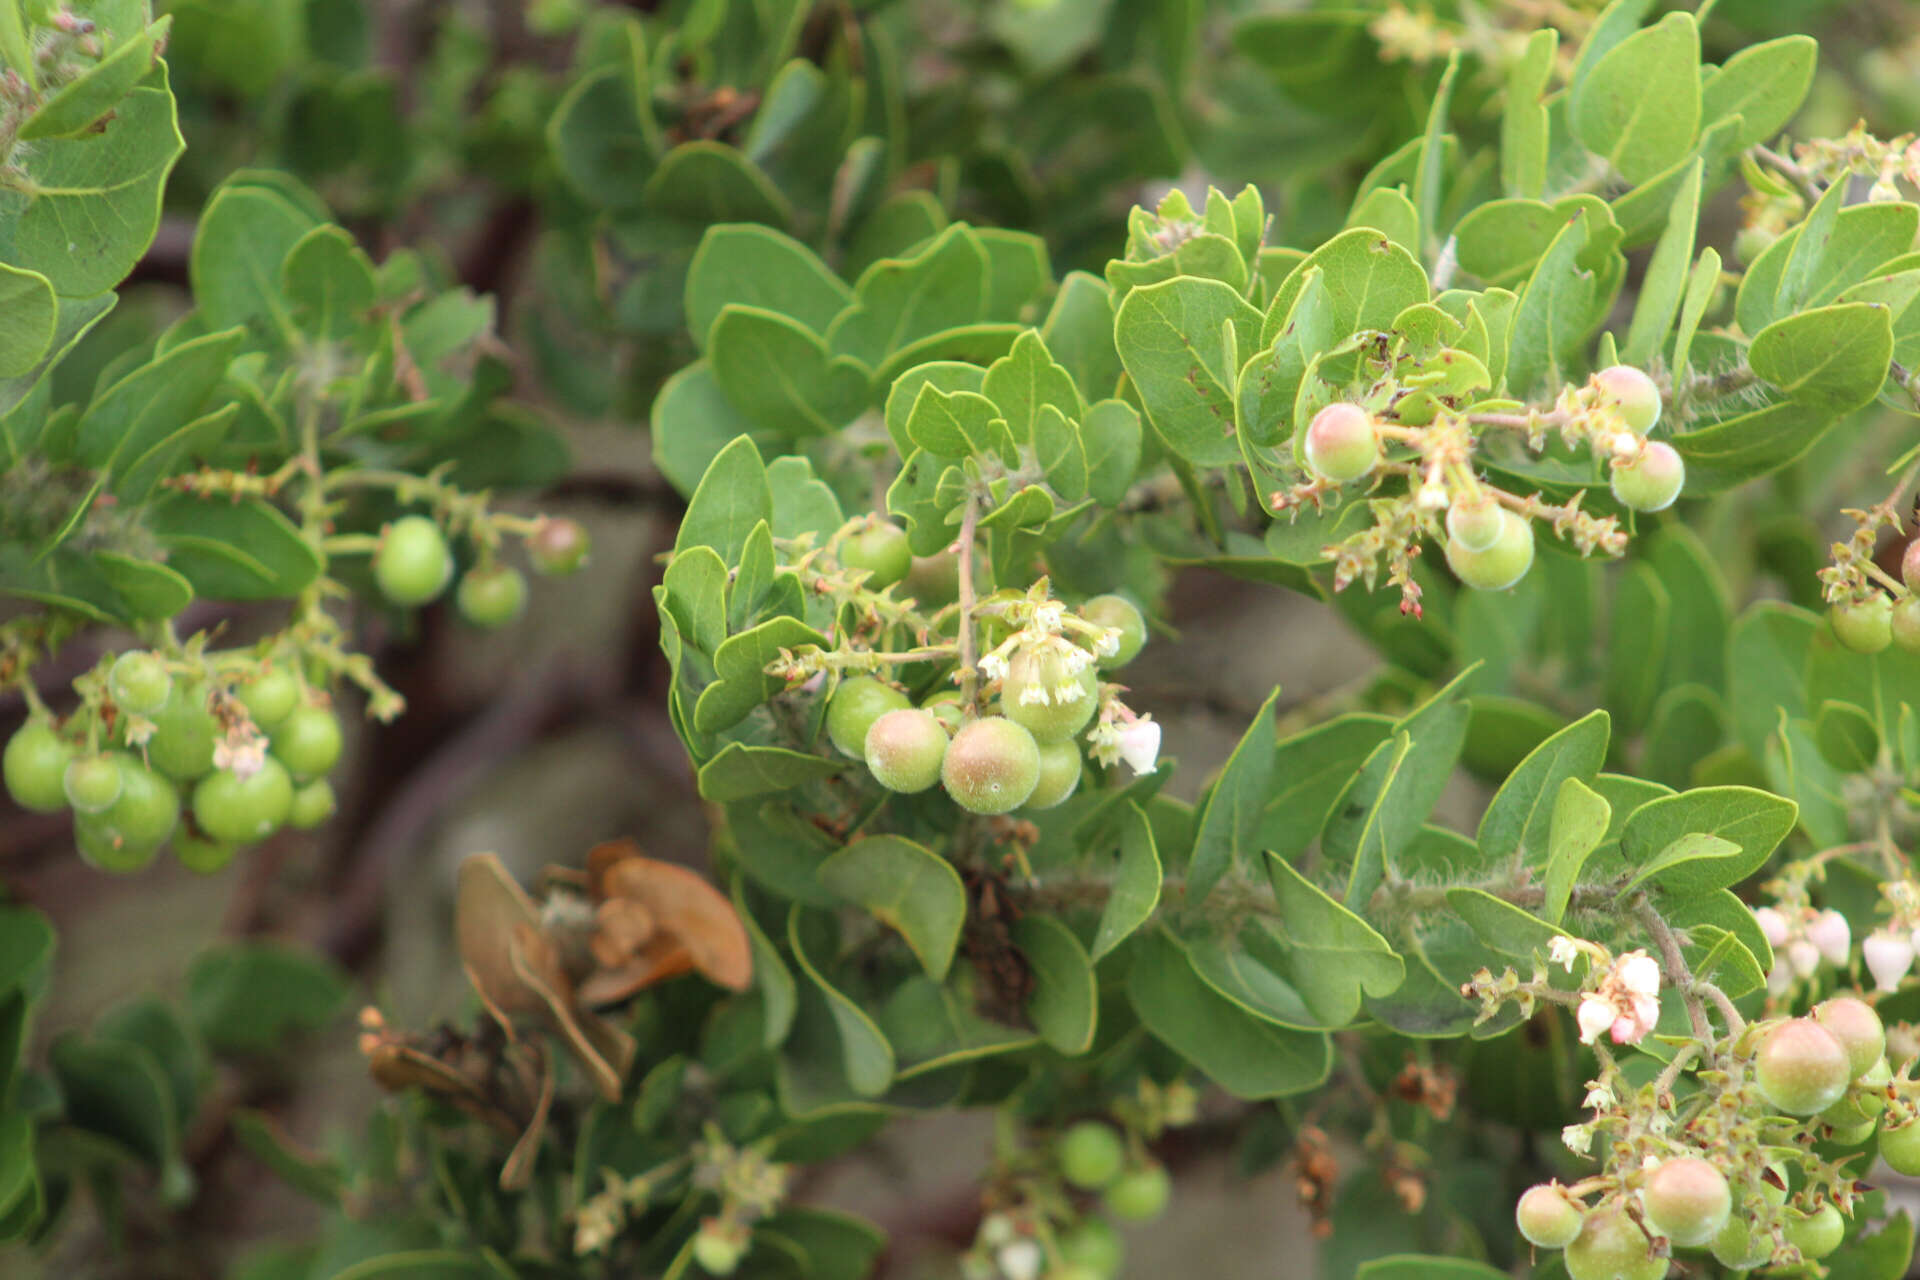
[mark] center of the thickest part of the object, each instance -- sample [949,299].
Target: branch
[1674,964]
[969,528]
[1802,180]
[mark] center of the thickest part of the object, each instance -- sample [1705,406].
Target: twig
[1799,177]
[969,528]
[1675,965]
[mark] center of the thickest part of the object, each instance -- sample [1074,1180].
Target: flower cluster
[1624,1004]
[1801,938]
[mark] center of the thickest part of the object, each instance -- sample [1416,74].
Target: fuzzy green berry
[1548,1216]
[1687,1200]
[236,810]
[881,549]
[147,809]
[1801,1068]
[558,546]
[1045,692]
[1864,626]
[491,596]
[1632,392]
[197,853]
[138,682]
[904,749]
[312,805]
[35,767]
[184,734]
[1501,565]
[1900,1148]
[1091,1154]
[1121,614]
[1611,1246]
[1741,1247]
[1905,623]
[1139,1195]
[412,564]
[104,849]
[992,766]
[719,1249]
[1476,524]
[308,741]
[1651,481]
[856,704]
[92,783]
[270,696]
[1342,444]
[1816,1234]
[933,581]
[1852,1022]
[1060,770]
[1093,1244]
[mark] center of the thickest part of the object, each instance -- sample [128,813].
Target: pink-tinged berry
[1548,1216]
[1687,1200]
[558,546]
[1857,1027]
[1801,1068]
[1905,623]
[857,703]
[1651,481]
[904,749]
[992,766]
[1632,392]
[1611,1246]
[1910,565]
[1342,444]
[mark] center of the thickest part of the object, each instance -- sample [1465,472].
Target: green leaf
[1518,820]
[1754,822]
[1247,1057]
[1336,956]
[598,141]
[80,102]
[28,316]
[313,1175]
[740,663]
[1524,121]
[1847,737]
[1169,336]
[233,550]
[1764,84]
[142,409]
[1065,999]
[240,250]
[1135,890]
[758,267]
[329,282]
[1701,286]
[1026,380]
[906,887]
[710,182]
[779,375]
[1230,818]
[1581,817]
[1639,107]
[251,997]
[837,1246]
[153,1025]
[1308,772]
[1735,450]
[1369,280]
[1831,359]
[1555,311]
[1382,809]
[1079,333]
[92,203]
[738,772]
[1111,437]
[420,1264]
[732,498]
[901,301]
[1679,864]
[1666,277]
[1253,969]
[866,1057]
[116,1090]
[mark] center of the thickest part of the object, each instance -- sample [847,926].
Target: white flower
[1578,1137]
[1638,972]
[1772,924]
[1596,1015]
[1563,951]
[1139,744]
[1829,932]
[1889,956]
[1108,642]
[1020,1260]
[1598,1096]
[1803,957]
[1780,981]
[993,667]
[1034,695]
[1432,497]
[241,754]
[1048,617]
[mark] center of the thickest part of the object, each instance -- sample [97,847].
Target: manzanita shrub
[1520,402]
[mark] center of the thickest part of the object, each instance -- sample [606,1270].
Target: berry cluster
[413,565]
[1867,619]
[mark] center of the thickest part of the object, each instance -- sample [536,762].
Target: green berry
[1043,692]
[1910,565]
[1501,565]
[1060,770]
[1342,444]
[184,734]
[1091,1154]
[270,696]
[1119,613]
[1740,1247]
[1476,525]
[196,853]
[1905,623]
[934,581]
[904,748]
[1092,1243]
[139,683]
[308,741]
[881,549]
[237,810]
[1652,481]
[1139,1195]
[992,766]
[948,708]
[558,546]
[857,703]
[1801,1068]
[718,1249]
[1816,1234]
[1852,1022]
[1611,1246]
[1687,1200]
[1631,392]
[1900,1148]
[1864,626]
[491,596]
[312,805]
[35,767]
[104,849]
[412,564]
[92,783]
[147,808]
[1548,1216]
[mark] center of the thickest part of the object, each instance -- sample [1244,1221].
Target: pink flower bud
[1780,981]
[1595,1016]
[1772,924]
[1888,956]
[1830,933]
[1139,744]
[1803,956]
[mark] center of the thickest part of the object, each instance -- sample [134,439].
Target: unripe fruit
[1910,565]
[138,683]
[308,741]
[1091,1155]
[147,808]
[35,767]
[1852,1135]
[1864,626]
[1687,1200]
[1632,393]
[558,546]
[881,549]
[204,856]
[491,596]
[270,697]
[1060,768]
[948,708]
[1476,524]
[103,848]
[183,736]
[1042,692]
[1905,623]
[1548,1217]
[934,581]
[92,783]
[237,810]
[1652,481]
[1801,1068]
[312,805]
[992,766]
[1342,444]
[1900,1148]
[1816,1234]
[1501,565]
[1611,1247]
[412,564]
[904,748]
[857,703]
[1857,1027]
[1740,1247]
[717,1251]
[1139,1195]
[1117,612]
[1750,242]
[1095,1245]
